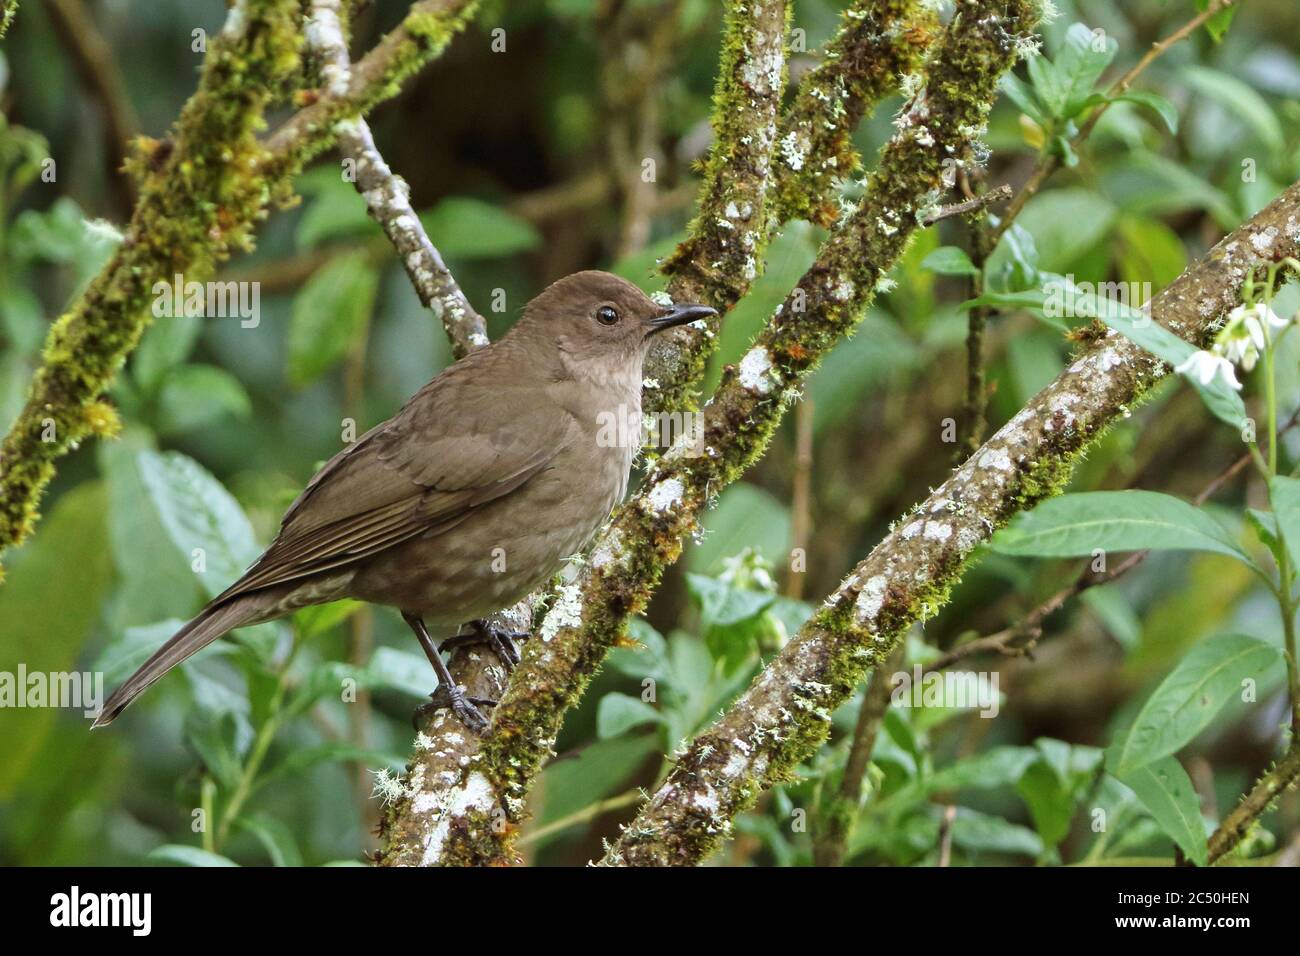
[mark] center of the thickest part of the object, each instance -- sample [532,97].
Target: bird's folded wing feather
[424,470]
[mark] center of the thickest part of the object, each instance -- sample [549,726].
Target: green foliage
[264,732]
[1082,524]
[330,317]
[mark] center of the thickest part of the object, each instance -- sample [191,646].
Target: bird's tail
[214,621]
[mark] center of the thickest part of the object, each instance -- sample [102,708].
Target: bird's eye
[607,315]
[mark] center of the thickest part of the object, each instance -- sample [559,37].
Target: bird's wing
[423,470]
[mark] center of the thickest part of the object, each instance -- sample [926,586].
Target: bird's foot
[499,639]
[465,708]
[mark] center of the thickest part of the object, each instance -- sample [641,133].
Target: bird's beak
[679,315]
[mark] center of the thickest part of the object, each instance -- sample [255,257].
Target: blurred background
[526,165]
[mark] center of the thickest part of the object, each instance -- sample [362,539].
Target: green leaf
[997,767]
[167,343]
[1240,100]
[722,604]
[1149,184]
[591,774]
[330,315]
[1166,791]
[195,396]
[619,713]
[1284,495]
[276,838]
[1217,25]
[1152,101]
[1152,253]
[1031,301]
[221,737]
[1020,93]
[949,261]
[50,603]
[1065,225]
[198,514]
[335,211]
[1063,86]
[465,228]
[975,832]
[183,855]
[745,516]
[319,618]
[1076,525]
[1186,701]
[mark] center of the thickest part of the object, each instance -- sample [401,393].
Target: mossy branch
[796,168]
[879,42]
[936,129]
[439,820]
[387,196]
[785,714]
[726,241]
[198,201]
[1282,777]
[201,193]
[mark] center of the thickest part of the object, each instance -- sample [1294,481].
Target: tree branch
[1253,805]
[440,819]
[784,715]
[645,535]
[879,42]
[387,196]
[193,210]
[200,195]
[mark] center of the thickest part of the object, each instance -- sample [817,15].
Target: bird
[472,495]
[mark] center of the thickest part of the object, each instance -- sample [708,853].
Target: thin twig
[1253,805]
[836,823]
[387,196]
[93,59]
[974,204]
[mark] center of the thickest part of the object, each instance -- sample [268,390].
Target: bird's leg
[461,705]
[500,640]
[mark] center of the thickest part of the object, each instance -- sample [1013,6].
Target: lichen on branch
[936,130]
[387,196]
[716,264]
[879,42]
[200,194]
[785,714]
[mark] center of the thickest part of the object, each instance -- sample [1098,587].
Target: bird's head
[596,317]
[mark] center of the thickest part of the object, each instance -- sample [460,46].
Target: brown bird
[472,495]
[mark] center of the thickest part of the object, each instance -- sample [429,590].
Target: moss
[194,209]
[877,43]
[202,190]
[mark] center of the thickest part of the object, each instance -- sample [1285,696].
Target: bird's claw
[465,708]
[499,639]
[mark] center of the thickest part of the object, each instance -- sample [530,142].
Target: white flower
[1204,366]
[1247,332]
